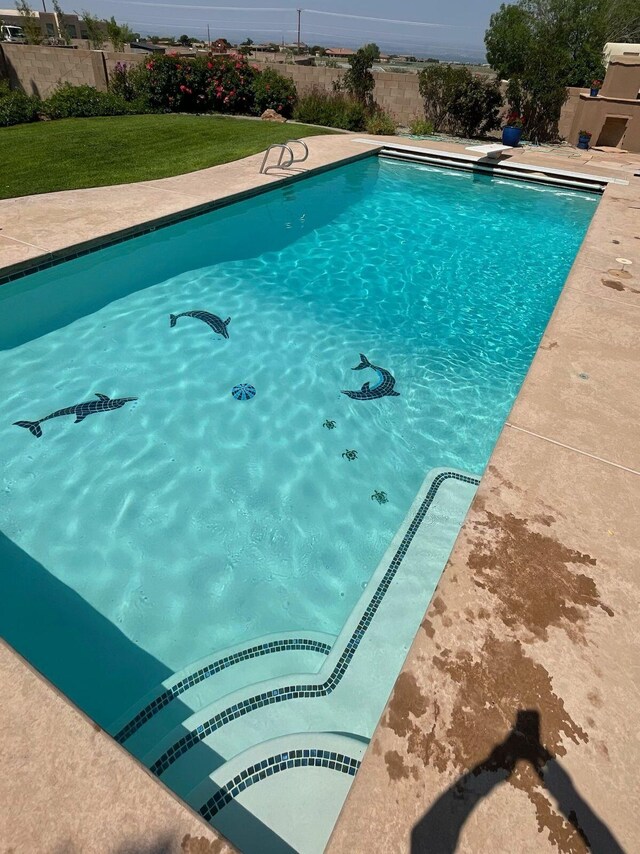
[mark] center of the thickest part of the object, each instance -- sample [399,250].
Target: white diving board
[493,151]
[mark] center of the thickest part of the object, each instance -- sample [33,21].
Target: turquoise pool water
[147,536]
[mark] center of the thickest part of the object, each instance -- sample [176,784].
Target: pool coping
[46,259]
[533,431]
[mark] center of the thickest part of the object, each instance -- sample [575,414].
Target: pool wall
[562,482]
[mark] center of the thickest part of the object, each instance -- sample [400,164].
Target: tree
[358,80]
[185,40]
[372,50]
[95,29]
[508,40]
[572,33]
[457,101]
[61,26]
[622,21]
[118,34]
[29,23]
[543,46]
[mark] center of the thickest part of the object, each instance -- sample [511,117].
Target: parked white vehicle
[10,33]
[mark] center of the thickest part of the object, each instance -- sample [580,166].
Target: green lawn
[72,153]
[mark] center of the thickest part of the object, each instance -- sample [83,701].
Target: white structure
[612,49]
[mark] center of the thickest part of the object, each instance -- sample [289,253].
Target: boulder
[272,116]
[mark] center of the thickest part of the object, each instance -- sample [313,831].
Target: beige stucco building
[612,117]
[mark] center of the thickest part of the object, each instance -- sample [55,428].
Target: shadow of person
[438,831]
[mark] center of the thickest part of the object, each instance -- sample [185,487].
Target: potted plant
[584,137]
[595,87]
[512,131]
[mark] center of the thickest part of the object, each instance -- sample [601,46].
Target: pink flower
[149,65]
[209,64]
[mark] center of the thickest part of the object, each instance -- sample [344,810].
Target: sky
[447,30]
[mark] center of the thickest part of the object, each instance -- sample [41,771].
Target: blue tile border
[298,758]
[162,700]
[291,692]
[59,256]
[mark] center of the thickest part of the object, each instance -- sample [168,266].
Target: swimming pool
[384,315]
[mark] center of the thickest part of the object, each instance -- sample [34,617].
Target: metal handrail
[284,148]
[279,165]
[304,145]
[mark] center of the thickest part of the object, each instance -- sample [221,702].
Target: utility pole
[208,37]
[299,12]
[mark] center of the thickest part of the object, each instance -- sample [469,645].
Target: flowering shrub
[513,120]
[197,84]
[272,91]
[231,80]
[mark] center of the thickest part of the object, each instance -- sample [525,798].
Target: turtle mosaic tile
[158,703]
[300,757]
[292,692]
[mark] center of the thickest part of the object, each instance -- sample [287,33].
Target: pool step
[285,790]
[207,680]
[351,688]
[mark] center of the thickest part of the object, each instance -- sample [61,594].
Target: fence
[38,70]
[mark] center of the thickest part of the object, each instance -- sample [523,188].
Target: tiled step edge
[324,752]
[182,681]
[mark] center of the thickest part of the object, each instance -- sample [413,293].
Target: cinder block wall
[397,94]
[112,59]
[37,70]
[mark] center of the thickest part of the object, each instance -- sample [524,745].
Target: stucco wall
[592,114]
[569,110]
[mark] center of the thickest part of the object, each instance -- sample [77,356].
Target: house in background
[612,117]
[51,24]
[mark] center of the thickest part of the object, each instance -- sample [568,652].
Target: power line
[368,18]
[278,9]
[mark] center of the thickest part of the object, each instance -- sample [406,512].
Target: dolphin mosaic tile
[383,388]
[212,320]
[80,410]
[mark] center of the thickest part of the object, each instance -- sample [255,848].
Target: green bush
[17,107]
[380,123]
[331,109]
[84,101]
[421,127]
[272,91]
[457,101]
